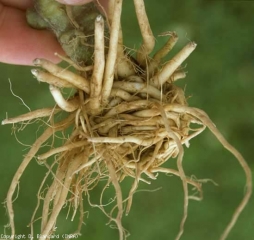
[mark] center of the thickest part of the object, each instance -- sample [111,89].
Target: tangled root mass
[127,115]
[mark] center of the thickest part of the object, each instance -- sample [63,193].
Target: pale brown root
[68,10]
[60,173]
[146,32]
[168,69]
[80,68]
[124,67]
[134,129]
[115,101]
[138,173]
[99,63]
[177,75]
[110,11]
[36,146]
[115,92]
[67,106]
[119,198]
[208,122]
[137,87]
[131,193]
[44,112]
[74,164]
[112,53]
[156,60]
[180,169]
[76,80]
[89,163]
[129,139]
[167,47]
[67,147]
[43,76]
[155,153]
[195,184]
[148,113]
[104,126]
[127,106]
[38,200]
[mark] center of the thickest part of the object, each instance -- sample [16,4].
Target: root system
[127,117]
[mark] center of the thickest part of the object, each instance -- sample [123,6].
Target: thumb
[74,2]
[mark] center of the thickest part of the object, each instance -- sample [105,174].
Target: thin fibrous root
[119,198]
[208,122]
[62,197]
[36,146]
[44,112]
[64,148]
[128,118]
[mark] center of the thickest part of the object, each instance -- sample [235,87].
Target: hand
[19,43]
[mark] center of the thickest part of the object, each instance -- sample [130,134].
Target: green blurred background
[220,80]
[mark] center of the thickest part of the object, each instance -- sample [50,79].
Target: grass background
[220,80]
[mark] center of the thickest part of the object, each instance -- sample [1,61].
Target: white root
[99,63]
[146,32]
[112,53]
[76,80]
[68,106]
[168,69]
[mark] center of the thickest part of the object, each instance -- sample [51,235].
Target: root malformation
[127,117]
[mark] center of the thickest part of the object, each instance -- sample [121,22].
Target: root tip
[37,61]
[99,18]
[193,44]
[35,72]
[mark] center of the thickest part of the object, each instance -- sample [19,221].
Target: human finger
[22,44]
[74,2]
[102,3]
[20,4]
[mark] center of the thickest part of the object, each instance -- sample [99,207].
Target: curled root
[126,122]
